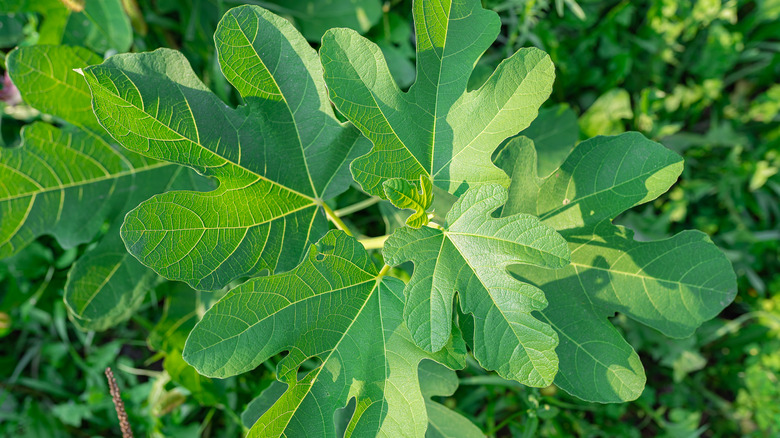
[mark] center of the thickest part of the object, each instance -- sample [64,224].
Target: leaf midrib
[438,84]
[102,284]
[84,182]
[281,94]
[487,289]
[343,336]
[381,146]
[479,236]
[55,79]
[647,277]
[182,137]
[577,201]
[581,347]
[291,303]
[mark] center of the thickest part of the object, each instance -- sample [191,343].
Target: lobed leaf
[672,285]
[47,180]
[437,129]
[470,256]
[336,307]
[276,157]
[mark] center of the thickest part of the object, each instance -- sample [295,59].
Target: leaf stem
[384,271]
[333,217]
[432,224]
[374,242]
[346,211]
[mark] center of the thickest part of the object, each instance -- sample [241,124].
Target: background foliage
[700,77]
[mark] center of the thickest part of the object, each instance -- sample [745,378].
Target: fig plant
[520,270]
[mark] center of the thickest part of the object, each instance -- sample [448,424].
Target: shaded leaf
[48,176]
[554,133]
[47,180]
[672,285]
[99,25]
[106,285]
[262,403]
[437,380]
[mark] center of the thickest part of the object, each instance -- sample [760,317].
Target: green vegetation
[357,218]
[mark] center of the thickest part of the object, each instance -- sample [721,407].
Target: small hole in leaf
[320,257]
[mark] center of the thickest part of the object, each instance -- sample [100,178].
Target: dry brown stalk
[124,424]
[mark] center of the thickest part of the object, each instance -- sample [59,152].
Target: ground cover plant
[458,242]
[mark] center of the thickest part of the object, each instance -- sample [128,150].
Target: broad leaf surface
[334,307]
[276,158]
[46,179]
[49,178]
[672,285]
[436,129]
[470,257]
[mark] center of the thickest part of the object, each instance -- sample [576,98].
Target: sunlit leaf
[470,256]
[436,129]
[276,157]
[337,308]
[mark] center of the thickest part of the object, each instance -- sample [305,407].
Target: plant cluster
[472,228]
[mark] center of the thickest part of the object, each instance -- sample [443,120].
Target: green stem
[374,242]
[432,224]
[205,423]
[333,217]
[384,271]
[346,211]
[139,371]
